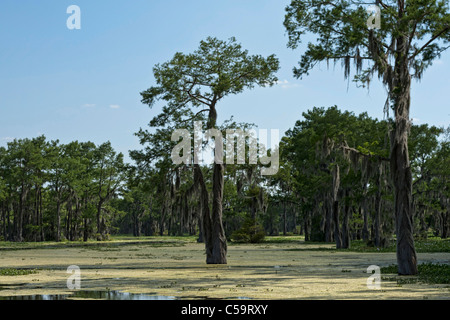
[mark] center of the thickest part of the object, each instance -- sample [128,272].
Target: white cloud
[285,84]
[282,82]
[88,105]
[114,106]
[8,139]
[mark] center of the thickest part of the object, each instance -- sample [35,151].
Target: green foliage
[429,245]
[190,86]
[343,35]
[215,70]
[250,232]
[15,272]
[50,190]
[431,273]
[54,190]
[434,273]
[433,245]
[314,147]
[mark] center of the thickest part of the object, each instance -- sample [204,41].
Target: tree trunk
[8,219]
[400,165]
[219,252]
[328,218]
[99,214]
[58,221]
[76,214]
[445,226]
[161,221]
[18,219]
[36,213]
[307,222]
[345,226]
[335,206]
[213,231]
[85,230]
[337,231]
[4,229]
[85,219]
[365,214]
[200,227]
[70,217]
[205,212]
[377,218]
[41,217]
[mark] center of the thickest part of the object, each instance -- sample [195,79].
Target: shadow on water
[99,295]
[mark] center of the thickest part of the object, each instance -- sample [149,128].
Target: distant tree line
[335,175]
[54,191]
[333,185]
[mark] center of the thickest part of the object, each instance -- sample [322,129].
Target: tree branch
[365,155]
[447,28]
[204,110]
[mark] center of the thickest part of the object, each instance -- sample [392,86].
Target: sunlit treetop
[200,79]
[343,35]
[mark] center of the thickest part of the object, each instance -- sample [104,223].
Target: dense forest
[333,185]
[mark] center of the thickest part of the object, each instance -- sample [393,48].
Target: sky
[84,84]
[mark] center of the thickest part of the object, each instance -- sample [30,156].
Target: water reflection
[91,294]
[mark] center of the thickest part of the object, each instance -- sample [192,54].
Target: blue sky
[84,84]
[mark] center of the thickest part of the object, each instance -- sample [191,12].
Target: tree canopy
[411,35]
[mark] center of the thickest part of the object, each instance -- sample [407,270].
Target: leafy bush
[428,273]
[434,244]
[250,232]
[429,245]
